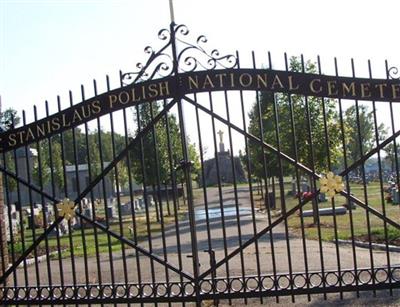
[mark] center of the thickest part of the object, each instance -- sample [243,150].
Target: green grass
[358,224]
[345,227]
[103,243]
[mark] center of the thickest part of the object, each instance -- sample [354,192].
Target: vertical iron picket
[157,154]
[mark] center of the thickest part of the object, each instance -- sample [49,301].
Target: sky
[50,47]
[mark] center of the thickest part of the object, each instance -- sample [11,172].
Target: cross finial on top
[221,136]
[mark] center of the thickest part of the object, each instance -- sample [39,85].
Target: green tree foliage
[85,153]
[10,164]
[156,146]
[75,147]
[390,157]
[50,162]
[8,119]
[360,132]
[282,108]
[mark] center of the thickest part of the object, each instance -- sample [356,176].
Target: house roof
[81,167]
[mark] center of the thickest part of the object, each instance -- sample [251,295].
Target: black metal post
[187,172]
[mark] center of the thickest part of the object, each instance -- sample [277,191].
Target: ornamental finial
[66,209]
[331,184]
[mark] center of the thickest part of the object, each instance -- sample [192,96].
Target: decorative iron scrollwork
[393,73]
[189,57]
[193,56]
[159,62]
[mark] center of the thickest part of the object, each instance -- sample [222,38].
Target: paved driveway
[222,236]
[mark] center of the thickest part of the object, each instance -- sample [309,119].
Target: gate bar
[380,180]
[297,164]
[82,194]
[135,246]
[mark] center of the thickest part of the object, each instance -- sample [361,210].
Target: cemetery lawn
[359,218]
[103,240]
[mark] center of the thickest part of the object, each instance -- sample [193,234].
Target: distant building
[77,179]
[225,160]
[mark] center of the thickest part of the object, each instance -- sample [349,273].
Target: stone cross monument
[221,141]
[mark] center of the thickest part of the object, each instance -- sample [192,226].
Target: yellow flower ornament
[66,209]
[331,184]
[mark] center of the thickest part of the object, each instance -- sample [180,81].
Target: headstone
[49,217]
[150,200]
[63,227]
[53,233]
[395,196]
[110,211]
[326,211]
[322,197]
[85,202]
[136,205]
[35,218]
[48,212]
[141,203]
[76,224]
[30,219]
[294,187]
[88,212]
[126,209]
[352,205]
[305,187]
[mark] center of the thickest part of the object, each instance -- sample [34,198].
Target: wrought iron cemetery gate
[132,197]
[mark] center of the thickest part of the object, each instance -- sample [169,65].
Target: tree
[390,157]
[123,177]
[41,172]
[9,119]
[154,156]
[155,149]
[58,172]
[360,132]
[297,122]
[300,136]
[156,144]
[48,170]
